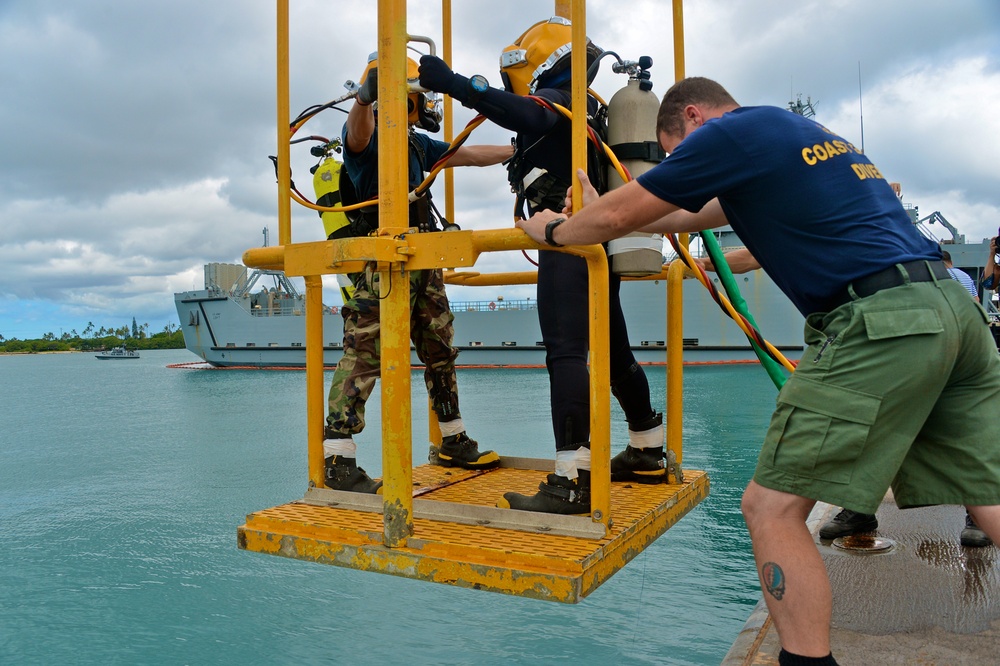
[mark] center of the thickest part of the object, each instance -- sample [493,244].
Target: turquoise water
[122,484]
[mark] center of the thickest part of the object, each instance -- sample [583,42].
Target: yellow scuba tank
[326,182]
[346,287]
[632,136]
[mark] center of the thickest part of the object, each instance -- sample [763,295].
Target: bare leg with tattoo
[792,575]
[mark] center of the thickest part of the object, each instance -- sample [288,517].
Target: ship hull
[267,329]
[222,332]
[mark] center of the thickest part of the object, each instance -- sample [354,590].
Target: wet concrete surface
[924,600]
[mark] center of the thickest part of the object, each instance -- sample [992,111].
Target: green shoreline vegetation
[97,339]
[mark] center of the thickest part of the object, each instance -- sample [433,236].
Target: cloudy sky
[134,135]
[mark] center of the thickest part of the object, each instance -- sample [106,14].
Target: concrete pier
[926,600]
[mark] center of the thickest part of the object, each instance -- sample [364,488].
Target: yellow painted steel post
[433,427]
[678,21]
[393,158]
[678,16]
[315,412]
[675,293]
[600,388]
[675,358]
[600,363]
[449,127]
[578,92]
[284,133]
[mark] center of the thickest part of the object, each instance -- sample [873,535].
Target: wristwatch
[551,227]
[477,86]
[478,83]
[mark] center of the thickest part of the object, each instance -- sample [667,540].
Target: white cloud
[136,135]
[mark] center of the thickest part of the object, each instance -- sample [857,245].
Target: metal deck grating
[528,561]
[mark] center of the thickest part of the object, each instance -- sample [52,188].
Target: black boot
[848,522]
[556,495]
[639,465]
[461,451]
[344,474]
[973,536]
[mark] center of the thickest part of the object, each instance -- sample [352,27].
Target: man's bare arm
[360,127]
[709,217]
[626,209]
[740,261]
[481,155]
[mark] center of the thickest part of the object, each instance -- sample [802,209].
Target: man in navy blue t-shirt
[895,385]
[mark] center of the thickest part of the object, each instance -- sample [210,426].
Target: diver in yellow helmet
[423,110]
[540,57]
[430,316]
[538,64]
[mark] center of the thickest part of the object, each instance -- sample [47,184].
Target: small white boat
[117,352]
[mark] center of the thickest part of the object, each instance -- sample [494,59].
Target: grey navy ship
[256,318]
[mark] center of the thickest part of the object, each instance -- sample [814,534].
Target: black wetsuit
[563,294]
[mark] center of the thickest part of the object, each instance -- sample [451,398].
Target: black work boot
[461,451]
[555,495]
[972,536]
[639,465]
[848,522]
[344,474]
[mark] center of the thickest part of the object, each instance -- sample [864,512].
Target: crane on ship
[439,524]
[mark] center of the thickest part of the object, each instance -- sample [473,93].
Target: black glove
[436,75]
[369,89]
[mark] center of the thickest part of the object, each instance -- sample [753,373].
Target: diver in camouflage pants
[430,317]
[431,331]
[353,381]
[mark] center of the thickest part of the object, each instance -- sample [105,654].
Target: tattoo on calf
[774,579]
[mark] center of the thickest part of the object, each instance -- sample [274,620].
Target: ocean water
[122,484]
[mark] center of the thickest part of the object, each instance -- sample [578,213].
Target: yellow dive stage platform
[461,538]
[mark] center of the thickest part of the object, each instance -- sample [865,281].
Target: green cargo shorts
[900,389]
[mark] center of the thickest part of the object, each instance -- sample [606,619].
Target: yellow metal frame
[451,532]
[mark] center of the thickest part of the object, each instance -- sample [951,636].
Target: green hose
[772,367]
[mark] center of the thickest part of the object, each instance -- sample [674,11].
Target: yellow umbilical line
[299,199]
[456,143]
[682,251]
[418,191]
[727,306]
[623,173]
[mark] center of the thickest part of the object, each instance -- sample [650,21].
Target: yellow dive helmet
[423,109]
[541,53]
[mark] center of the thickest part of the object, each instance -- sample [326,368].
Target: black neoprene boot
[557,494]
[462,451]
[344,474]
[639,465]
[646,465]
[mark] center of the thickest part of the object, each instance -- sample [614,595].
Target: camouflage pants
[431,331]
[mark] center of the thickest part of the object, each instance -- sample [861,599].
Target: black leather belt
[919,271]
